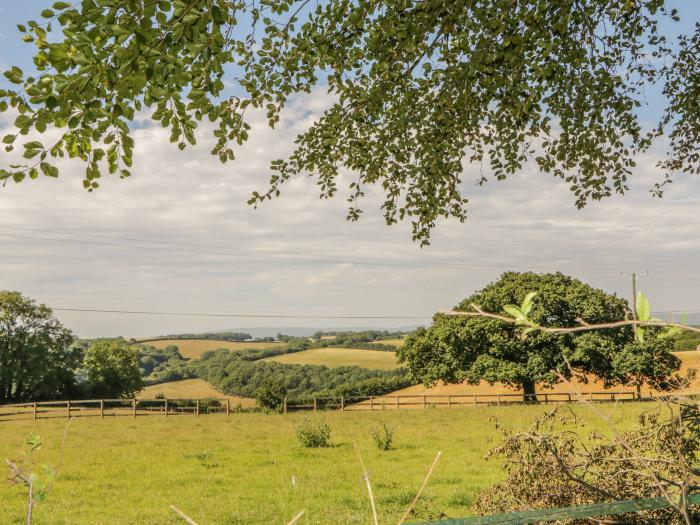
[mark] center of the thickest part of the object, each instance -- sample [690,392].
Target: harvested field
[336,357]
[193,348]
[191,389]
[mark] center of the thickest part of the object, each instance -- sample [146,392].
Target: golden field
[194,348]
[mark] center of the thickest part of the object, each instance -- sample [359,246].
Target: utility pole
[634,296]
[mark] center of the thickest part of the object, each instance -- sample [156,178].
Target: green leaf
[513,311]
[640,334]
[526,307]
[643,307]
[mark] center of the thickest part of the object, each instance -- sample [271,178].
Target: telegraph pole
[634,296]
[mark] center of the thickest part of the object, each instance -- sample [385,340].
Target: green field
[239,469]
[335,357]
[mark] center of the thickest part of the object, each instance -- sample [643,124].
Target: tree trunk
[529,394]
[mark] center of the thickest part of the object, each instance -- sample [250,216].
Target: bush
[314,433]
[271,394]
[383,436]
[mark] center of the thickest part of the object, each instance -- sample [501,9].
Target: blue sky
[58,242]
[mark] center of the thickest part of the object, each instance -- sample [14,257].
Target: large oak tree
[420,90]
[455,349]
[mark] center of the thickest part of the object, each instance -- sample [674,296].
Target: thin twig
[585,327]
[296,518]
[184,516]
[420,490]
[369,485]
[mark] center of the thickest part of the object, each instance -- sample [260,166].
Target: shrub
[271,394]
[383,436]
[314,433]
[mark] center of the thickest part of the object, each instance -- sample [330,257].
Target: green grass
[335,357]
[238,469]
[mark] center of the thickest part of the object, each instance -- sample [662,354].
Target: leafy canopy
[111,369]
[419,89]
[454,349]
[37,359]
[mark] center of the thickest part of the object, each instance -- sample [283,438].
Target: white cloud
[527,222]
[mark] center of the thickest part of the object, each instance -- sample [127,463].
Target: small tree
[649,362]
[271,394]
[455,349]
[111,369]
[37,360]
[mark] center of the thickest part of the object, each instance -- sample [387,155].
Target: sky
[178,236]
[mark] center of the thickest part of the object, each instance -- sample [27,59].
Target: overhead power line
[250,316]
[283,316]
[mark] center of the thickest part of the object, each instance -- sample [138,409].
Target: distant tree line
[365,336]
[216,336]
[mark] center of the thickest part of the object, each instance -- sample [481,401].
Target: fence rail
[415,401]
[177,406]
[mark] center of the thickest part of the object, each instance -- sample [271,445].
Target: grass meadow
[335,357]
[249,468]
[194,348]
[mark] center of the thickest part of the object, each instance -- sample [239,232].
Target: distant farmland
[193,348]
[392,342]
[335,357]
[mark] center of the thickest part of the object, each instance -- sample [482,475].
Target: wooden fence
[417,401]
[172,407]
[114,407]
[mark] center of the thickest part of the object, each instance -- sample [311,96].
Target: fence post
[315,404]
[475,403]
[449,401]
[197,408]
[228,406]
[102,408]
[34,410]
[68,408]
[342,403]
[569,394]
[398,399]
[133,406]
[423,400]
[371,403]
[498,400]
[165,404]
[546,399]
[284,405]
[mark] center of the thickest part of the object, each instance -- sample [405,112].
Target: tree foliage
[455,349]
[111,369]
[649,362]
[37,359]
[419,88]
[229,372]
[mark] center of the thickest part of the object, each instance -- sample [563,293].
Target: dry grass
[393,342]
[689,359]
[335,357]
[194,348]
[191,389]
